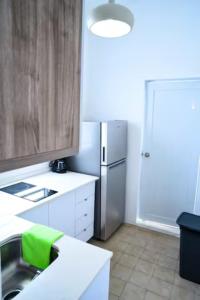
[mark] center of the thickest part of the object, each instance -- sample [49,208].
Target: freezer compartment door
[113,184]
[88,159]
[113,141]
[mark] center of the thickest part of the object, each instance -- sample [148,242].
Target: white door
[171,150]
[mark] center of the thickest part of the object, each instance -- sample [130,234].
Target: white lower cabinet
[86,234]
[72,213]
[99,288]
[84,212]
[39,214]
[61,213]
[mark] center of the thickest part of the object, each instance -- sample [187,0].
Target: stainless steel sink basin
[16,274]
[28,191]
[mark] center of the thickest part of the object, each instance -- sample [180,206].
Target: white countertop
[69,276]
[63,183]
[78,263]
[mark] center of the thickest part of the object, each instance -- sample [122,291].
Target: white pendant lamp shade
[110,20]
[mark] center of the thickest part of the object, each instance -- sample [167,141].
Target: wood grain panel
[39,77]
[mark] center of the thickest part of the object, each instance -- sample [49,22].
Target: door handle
[146,154]
[103,154]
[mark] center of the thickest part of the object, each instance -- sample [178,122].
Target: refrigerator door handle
[117,164]
[103,153]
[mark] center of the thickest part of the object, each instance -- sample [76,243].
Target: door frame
[173,230]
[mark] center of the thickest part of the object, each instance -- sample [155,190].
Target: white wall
[165,43]
[22,173]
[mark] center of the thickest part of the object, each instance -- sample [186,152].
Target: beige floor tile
[116,245]
[116,256]
[164,274]
[112,264]
[155,246]
[175,242]
[181,282]
[121,245]
[197,290]
[144,266]
[168,262]
[139,278]
[113,297]
[151,296]
[138,241]
[132,292]
[179,293]
[129,230]
[171,252]
[196,297]
[128,260]
[170,241]
[143,235]
[125,237]
[116,286]
[134,250]
[149,255]
[177,266]
[160,287]
[121,272]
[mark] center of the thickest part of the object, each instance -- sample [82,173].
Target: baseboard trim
[163,228]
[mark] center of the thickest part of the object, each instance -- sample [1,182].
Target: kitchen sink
[28,191]
[15,273]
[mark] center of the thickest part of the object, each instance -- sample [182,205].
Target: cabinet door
[37,215]
[62,214]
[39,80]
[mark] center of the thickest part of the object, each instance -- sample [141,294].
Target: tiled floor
[145,266]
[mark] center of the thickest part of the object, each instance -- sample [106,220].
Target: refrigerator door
[113,141]
[113,181]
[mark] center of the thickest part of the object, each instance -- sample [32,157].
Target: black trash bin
[189,246]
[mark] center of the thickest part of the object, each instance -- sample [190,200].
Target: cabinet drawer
[84,192]
[86,234]
[85,207]
[83,222]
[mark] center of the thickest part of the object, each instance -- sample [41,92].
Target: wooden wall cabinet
[40,42]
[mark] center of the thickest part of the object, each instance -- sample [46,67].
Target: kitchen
[58,75]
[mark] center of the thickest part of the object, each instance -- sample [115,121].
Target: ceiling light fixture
[110,20]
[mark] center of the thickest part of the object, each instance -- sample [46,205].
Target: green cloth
[37,243]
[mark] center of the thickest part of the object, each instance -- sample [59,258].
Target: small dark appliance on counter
[58,166]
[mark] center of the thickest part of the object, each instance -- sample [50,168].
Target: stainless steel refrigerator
[103,151]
